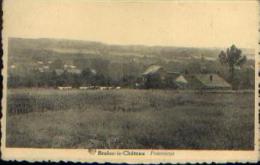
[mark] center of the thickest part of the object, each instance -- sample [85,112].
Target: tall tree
[232,57]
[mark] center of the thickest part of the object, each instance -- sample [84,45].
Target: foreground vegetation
[130,119]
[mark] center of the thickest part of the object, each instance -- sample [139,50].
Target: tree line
[52,79]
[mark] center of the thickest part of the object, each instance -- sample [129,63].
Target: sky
[169,23]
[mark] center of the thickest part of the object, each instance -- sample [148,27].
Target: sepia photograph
[105,76]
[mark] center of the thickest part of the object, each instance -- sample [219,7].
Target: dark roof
[215,82]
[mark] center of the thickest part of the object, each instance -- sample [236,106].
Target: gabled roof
[152,69]
[212,80]
[181,79]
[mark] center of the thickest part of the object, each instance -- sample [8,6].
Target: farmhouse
[208,81]
[156,77]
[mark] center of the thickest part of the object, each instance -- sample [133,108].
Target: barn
[208,81]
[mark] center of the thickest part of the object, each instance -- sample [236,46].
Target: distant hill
[31,50]
[90,47]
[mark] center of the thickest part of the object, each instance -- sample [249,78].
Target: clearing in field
[129,118]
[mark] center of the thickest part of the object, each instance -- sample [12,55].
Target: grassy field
[128,118]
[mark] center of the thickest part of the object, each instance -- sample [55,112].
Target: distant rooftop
[152,69]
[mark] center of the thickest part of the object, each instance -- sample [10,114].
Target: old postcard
[130,81]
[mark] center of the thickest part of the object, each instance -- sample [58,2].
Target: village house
[74,71]
[43,69]
[59,71]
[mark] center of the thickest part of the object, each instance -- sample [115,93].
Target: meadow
[130,118]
